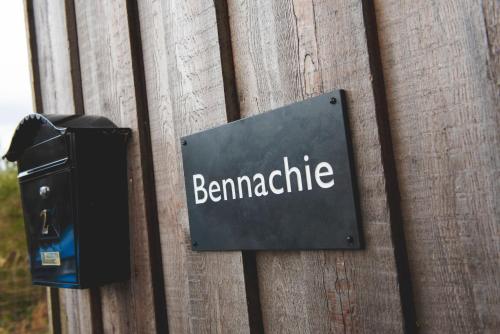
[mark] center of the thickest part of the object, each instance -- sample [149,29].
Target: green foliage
[22,307]
[11,216]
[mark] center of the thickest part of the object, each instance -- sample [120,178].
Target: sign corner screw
[184,142]
[195,243]
[333,100]
[350,239]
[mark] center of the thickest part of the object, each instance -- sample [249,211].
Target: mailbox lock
[44,192]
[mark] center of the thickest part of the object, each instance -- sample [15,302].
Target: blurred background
[23,307]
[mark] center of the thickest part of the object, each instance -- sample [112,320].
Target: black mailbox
[73,178]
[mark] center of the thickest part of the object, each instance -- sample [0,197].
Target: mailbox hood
[36,128]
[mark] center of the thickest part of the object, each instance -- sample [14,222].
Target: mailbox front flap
[49,222]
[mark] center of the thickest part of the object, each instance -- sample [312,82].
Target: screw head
[333,100]
[349,239]
[44,192]
[195,243]
[184,142]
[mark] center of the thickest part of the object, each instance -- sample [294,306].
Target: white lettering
[233,191]
[318,174]
[198,188]
[261,185]
[249,186]
[308,173]
[258,184]
[271,182]
[214,188]
[289,171]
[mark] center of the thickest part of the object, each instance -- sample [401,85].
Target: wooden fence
[423,90]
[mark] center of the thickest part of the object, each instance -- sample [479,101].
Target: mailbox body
[73,180]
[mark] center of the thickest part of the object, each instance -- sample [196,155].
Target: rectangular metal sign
[281,180]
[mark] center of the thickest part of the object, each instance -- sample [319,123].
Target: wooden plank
[57,90]
[110,85]
[286,51]
[80,311]
[441,64]
[54,48]
[29,20]
[188,89]
[63,312]
[53,312]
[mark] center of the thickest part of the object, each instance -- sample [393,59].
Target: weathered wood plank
[57,90]
[29,21]
[109,89]
[80,311]
[441,65]
[186,93]
[70,311]
[286,51]
[63,312]
[55,47]
[53,312]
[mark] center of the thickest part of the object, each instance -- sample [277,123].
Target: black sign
[280,180]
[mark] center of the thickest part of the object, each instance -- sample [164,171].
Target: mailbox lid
[36,129]
[53,255]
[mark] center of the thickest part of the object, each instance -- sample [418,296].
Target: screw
[195,243]
[184,142]
[350,239]
[333,100]
[44,192]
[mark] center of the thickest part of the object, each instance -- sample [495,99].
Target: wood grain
[439,72]
[54,48]
[441,67]
[109,89]
[29,21]
[187,93]
[57,90]
[80,311]
[286,51]
[54,311]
